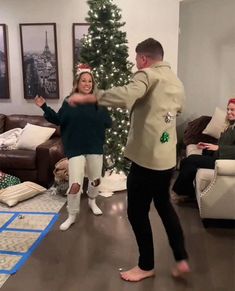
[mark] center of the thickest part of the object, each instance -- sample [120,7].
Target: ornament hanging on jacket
[165,137]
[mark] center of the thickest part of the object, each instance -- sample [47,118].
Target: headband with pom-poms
[82,68]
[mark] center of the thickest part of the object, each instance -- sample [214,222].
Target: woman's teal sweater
[82,127]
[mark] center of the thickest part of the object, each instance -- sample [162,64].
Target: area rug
[20,234]
[23,227]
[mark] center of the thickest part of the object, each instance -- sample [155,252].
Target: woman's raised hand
[39,101]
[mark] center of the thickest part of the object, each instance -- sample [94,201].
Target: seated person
[184,184]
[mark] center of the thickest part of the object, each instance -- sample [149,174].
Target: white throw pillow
[14,194]
[217,123]
[33,135]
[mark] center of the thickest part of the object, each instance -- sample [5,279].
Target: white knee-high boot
[93,192]
[73,206]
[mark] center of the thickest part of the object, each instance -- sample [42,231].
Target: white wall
[206,63]
[151,18]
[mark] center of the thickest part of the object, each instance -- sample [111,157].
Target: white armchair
[215,190]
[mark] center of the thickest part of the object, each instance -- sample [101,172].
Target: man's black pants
[188,169]
[143,186]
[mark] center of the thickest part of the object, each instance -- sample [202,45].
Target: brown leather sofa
[31,165]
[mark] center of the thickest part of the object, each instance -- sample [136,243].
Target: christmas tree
[105,50]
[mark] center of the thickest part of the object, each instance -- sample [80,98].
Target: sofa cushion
[193,132]
[217,123]
[18,159]
[20,120]
[33,135]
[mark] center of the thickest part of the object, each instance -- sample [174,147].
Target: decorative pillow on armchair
[14,194]
[193,132]
[34,135]
[217,123]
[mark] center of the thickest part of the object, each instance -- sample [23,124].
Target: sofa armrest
[47,155]
[217,200]
[203,179]
[225,167]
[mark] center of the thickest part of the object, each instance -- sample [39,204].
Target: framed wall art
[39,60]
[79,31]
[4,78]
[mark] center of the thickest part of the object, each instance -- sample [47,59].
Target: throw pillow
[193,132]
[217,123]
[14,194]
[34,135]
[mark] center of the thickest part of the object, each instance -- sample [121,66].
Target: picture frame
[39,60]
[78,32]
[4,76]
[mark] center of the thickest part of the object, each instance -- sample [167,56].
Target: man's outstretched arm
[123,96]
[77,98]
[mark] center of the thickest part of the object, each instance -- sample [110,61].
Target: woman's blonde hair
[77,79]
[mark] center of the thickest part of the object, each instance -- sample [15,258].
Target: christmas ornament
[165,137]
[169,117]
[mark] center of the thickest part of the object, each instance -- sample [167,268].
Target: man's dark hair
[150,48]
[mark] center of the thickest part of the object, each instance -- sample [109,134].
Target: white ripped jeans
[77,165]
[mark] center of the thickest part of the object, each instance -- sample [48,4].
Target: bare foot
[136,274]
[181,269]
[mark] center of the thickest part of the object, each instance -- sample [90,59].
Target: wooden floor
[88,256]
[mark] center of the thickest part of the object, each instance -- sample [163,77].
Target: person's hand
[207,146]
[212,147]
[201,145]
[73,100]
[76,99]
[39,101]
